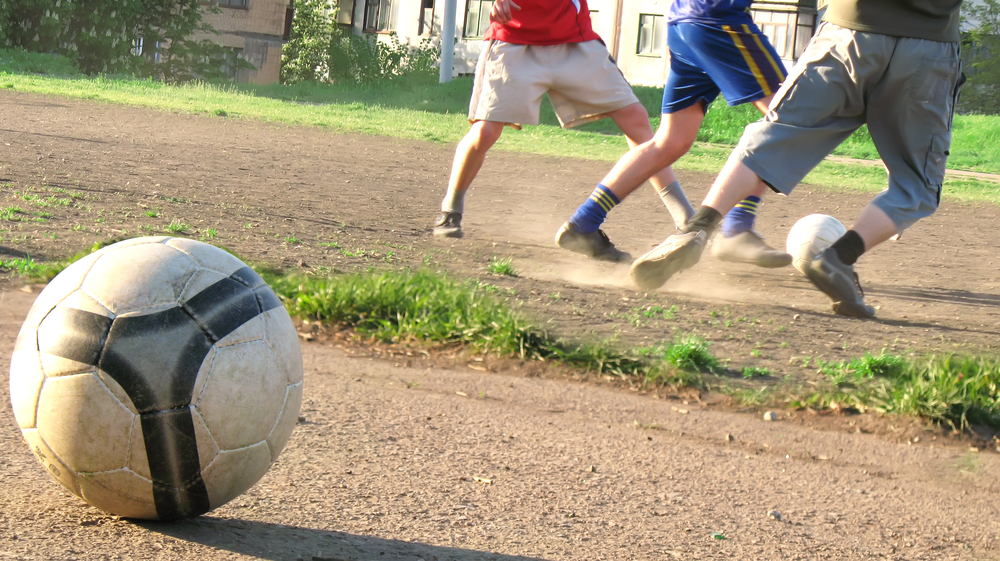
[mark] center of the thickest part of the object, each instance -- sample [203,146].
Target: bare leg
[471,152]
[672,140]
[469,157]
[874,226]
[735,183]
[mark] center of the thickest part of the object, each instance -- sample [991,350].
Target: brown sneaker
[840,283]
[676,253]
[749,247]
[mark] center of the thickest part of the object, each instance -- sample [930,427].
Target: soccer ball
[811,235]
[157,378]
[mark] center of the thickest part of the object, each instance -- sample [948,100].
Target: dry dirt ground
[386,463]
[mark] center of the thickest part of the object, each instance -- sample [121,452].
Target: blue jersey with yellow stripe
[710,11]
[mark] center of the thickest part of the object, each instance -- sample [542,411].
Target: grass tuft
[502,267]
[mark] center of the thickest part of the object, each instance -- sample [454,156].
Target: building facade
[634,30]
[253,30]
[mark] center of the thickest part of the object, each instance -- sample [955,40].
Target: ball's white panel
[56,468]
[116,389]
[286,420]
[139,277]
[243,395]
[26,378]
[280,334]
[208,256]
[122,492]
[811,235]
[252,330]
[84,423]
[235,471]
[204,371]
[83,301]
[207,447]
[65,283]
[137,460]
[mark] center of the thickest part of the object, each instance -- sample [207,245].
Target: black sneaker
[676,253]
[595,245]
[838,281]
[449,225]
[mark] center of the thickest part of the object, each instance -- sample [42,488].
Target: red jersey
[546,22]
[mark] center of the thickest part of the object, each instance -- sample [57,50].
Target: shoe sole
[654,269]
[448,233]
[782,260]
[840,307]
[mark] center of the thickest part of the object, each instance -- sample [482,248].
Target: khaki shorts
[582,81]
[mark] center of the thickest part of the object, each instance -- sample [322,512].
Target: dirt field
[579,471]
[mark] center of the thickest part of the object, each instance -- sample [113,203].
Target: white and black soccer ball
[811,235]
[157,378]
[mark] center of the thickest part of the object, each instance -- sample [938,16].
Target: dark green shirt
[936,20]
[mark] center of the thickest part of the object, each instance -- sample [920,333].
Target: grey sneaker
[676,253]
[749,247]
[840,283]
[595,245]
[449,225]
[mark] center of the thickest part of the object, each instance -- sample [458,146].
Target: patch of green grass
[755,372]
[502,267]
[176,226]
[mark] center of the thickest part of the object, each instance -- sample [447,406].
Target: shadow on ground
[282,542]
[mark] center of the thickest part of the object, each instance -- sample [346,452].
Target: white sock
[677,204]
[454,201]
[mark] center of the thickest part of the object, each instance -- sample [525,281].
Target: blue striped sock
[740,218]
[591,214]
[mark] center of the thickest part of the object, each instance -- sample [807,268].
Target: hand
[501,12]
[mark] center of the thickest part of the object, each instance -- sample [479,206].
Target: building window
[232,3]
[426,26]
[376,15]
[345,13]
[651,35]
[477,18]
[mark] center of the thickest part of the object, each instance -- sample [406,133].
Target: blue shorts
[737,60]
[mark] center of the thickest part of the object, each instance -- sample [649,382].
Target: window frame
[656,48]
[481,26]
[366,26]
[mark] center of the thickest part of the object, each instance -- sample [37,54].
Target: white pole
[448,40]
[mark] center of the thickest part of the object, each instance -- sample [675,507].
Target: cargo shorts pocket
[937,159]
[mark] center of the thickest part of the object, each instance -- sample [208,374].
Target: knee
[483,134]
[671,146]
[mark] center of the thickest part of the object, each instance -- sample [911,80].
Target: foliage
[502,267]
[366,59]
[304,56]
[102,36]
[981,57]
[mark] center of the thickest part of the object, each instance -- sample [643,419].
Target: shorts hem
[773,182]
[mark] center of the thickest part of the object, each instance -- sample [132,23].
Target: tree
[304,56]
[103,35]
[981,56]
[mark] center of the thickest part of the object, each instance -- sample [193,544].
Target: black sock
[706,220]
[849,247]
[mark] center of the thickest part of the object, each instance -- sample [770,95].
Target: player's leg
[634,123]
[747,69]
[469,157]
[814,111]
[909,116]
[507,91]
